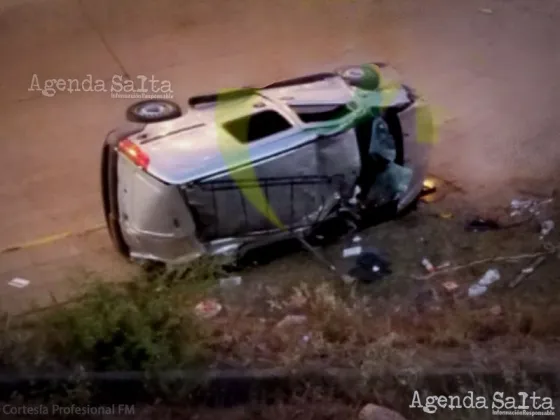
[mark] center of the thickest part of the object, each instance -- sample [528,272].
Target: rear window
[257,126]
[320,113]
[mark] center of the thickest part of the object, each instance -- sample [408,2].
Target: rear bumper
[109,185]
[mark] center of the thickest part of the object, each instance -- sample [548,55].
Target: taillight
[134,153]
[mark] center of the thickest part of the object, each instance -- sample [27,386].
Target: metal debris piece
[527,271]
[486,11]
[446,215]
[19,283]
[208,309]
[357,239]
[231,281]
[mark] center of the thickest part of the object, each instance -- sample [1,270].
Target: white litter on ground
[19,283]
[231,281]
[352,251]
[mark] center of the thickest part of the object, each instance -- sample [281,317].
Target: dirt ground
[489,67]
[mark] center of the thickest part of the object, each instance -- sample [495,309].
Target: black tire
[152,111]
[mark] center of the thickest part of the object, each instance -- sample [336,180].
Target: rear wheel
[152,111]
[363,77]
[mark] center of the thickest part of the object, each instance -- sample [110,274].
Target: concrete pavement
[492,75]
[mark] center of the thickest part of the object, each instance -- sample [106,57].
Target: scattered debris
[481,225]
[450,286]
[486,11]
[377,412]
[533,207]
[446,215]
[527,271]
[491,276]
[369,267]
[19,283]
[477,290]
[351,252]
[546,227]
[231,281]
[208,309]
[428,265]
[549,250]
[481,286]
[290,320]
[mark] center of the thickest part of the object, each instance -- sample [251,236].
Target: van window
[257,126]
[320,113]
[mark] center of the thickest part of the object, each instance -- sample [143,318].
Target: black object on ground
[370,267]
[481,225]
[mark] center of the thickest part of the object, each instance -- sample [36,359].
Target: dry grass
[342,332]
[150,324]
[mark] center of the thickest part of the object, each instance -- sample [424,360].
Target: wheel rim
[354,72]
[153,110]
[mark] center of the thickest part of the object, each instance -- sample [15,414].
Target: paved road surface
[491,69]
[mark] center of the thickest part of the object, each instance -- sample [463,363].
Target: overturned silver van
[232,171]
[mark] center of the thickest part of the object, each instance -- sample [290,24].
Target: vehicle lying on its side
[233,171]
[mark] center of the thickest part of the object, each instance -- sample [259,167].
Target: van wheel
[152,111]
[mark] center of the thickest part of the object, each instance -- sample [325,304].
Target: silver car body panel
[166,214]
